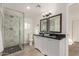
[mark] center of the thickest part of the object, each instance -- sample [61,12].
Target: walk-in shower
[13,30]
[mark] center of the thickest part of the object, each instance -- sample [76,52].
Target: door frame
[72,30]
[67,27]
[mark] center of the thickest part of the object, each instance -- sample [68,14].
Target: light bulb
[28,8]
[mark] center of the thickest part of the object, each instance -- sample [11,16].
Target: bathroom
[19,23]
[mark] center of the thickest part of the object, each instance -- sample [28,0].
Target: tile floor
[31,51]
[28,51]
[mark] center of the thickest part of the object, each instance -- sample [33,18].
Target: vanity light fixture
[28,7]
[46,14]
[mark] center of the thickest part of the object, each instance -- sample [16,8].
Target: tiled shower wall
[13,28]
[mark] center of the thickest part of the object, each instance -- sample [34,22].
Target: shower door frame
[19,26]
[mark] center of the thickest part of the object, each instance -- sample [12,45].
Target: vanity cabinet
[41,44]
[50,41]
[49,46]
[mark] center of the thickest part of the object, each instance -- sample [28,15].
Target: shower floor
[10,50]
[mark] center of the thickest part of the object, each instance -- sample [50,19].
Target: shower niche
[13,29]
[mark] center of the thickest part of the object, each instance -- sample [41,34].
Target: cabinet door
[53,47]
[44,45]
[40,43]
[36,44]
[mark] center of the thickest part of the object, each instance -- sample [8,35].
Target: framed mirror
[43,25]
[55,24]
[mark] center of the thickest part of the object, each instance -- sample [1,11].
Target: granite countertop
[53,36]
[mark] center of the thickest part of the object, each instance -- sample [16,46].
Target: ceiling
[74,12]
[74,9]
[34,12]
[22,6]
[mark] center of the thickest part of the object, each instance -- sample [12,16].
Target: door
[75,30]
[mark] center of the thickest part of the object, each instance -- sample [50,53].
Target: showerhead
[38,6]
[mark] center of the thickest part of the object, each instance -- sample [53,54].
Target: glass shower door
[13,29]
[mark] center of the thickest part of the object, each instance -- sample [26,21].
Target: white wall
[28,29]
[70,29]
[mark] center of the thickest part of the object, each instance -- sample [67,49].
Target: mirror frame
[46,25]
[60,24]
